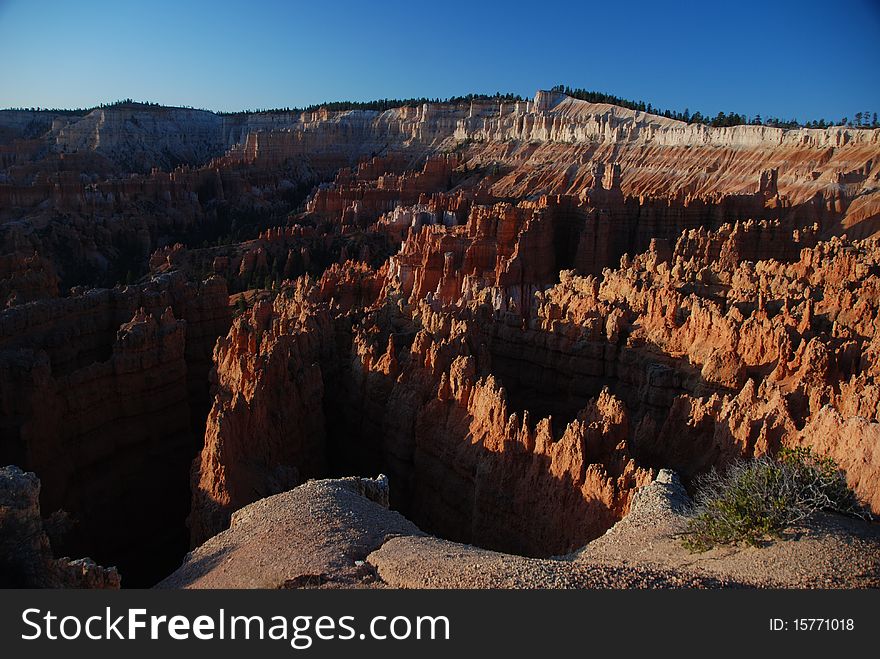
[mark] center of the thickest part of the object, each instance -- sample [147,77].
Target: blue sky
[790,59]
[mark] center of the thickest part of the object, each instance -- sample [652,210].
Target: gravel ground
[427,562]
[828,551]
[340,534]
[314,535]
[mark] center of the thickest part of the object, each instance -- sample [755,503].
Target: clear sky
[793,59]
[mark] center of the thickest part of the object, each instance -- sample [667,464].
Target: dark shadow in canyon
[128,486]
[110,413]
[454,487]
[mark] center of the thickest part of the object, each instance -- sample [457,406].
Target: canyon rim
[540,320]
[444,328]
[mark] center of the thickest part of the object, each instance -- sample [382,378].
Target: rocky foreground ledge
[26,559]
[341,534]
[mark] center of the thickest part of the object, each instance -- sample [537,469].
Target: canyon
[523,314]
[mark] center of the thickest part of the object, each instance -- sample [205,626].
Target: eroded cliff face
[26,557]
[95,195]
[266,430]
[518,312]
[526,428]
[102,396]
[381,392]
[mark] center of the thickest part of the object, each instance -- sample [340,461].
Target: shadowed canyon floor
[522,313]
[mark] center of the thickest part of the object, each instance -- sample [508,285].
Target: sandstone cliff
[552,143]
[675,358]
[101,394]
[518,311]
[26,559]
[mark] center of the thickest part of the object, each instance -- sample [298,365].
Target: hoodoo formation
[523,314]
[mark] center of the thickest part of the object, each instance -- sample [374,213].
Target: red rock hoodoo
[519,312]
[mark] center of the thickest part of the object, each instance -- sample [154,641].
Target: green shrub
[757,498]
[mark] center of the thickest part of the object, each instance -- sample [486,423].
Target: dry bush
[753,499]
